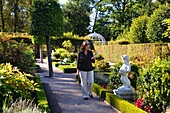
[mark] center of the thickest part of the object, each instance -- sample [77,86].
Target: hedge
[41,96]
[67,69]
[143,52]
[114,100]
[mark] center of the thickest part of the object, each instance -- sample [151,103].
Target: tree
[155,28]
[166,34]
[46,21]
[2,15]
[40,41]
[138,30]
[76,14]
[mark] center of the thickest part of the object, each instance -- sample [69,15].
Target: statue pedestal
[127,94]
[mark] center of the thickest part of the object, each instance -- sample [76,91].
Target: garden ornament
[124,72]
[126,91]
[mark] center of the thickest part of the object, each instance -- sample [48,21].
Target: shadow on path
[52,101]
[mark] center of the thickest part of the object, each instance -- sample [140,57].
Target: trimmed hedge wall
[41,96]
[145,52]
[67,69]
[117,102]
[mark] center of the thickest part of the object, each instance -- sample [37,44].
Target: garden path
[64,93]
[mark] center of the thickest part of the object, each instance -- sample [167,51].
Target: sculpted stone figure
[124,71]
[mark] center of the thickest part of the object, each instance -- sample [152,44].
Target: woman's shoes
[91,96]
[85,98]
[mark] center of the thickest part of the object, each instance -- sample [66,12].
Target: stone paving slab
[64,93]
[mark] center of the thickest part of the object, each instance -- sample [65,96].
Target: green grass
[41,96]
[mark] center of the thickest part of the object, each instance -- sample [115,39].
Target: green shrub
[56,55]
[116,101]
[72,57]
[67,68]
[99,78]
[67,44]
[138,28]
[166,24]
[102,65]
[153,84]
[61,50]
[18,54]
[41,96]
[114,78]
[99,57]
[15,83]
[155,29]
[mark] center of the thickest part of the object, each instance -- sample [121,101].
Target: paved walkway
[64,93]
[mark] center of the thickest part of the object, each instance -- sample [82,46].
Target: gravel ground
[64,93]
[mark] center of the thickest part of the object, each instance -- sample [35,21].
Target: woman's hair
[85,43]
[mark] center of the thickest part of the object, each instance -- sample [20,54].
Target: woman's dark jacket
[84,62]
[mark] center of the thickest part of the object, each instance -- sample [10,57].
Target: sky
[62,1]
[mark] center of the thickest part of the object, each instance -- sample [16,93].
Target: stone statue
[124,72]
[126,91]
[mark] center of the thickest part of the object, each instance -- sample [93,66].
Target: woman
[85,69]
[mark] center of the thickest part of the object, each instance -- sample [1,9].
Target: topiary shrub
[153,85]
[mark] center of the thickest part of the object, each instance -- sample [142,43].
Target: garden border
[41,96]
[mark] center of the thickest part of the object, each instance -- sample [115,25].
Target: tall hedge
[155,28]
[138,30]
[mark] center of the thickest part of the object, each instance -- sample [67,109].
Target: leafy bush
[56,55]
[18,54]
[61,50]
[153,83]
[99,78]
[72,57]
[99,57]
[63,53]
[138,28]
[15,83]
[166,23]
[102,65]
[155,29]
[67,44]
[114,78]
